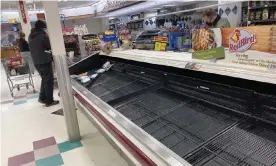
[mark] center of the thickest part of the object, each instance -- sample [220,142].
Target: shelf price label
[271,67]
[160,43]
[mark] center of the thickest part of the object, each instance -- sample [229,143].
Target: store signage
[62,17]
[22,10]
[214,53]
[160,43]
[12,20]
[240,40]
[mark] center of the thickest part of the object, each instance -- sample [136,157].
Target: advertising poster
[254,46]
[206,44]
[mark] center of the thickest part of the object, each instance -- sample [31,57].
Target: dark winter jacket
[23,45]
[39,47]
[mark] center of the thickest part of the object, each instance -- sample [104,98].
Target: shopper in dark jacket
[40,49]
[23,44]
[25,51]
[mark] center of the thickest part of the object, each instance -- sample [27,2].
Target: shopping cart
[18,73]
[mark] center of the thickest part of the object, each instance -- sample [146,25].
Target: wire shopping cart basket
[18,73]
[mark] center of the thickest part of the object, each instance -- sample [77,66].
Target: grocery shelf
[175,118]
[262,7]
[248,143]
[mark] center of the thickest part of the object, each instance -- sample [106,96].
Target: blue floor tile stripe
[67,146]
[34,96]
[19,102]
[55,160]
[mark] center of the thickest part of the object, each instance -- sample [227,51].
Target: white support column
[24,18]
[64,82]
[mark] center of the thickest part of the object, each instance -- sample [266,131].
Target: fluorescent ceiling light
[169,5]
[29,1]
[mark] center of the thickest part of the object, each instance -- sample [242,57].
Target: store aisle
[31,135]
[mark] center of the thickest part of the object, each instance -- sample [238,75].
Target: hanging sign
[22,10]
[160,43]
[62,17]
[241,40]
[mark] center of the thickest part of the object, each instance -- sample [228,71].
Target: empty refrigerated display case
[180,116]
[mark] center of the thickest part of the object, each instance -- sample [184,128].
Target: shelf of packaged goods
[263,21]
[180,60]
[261,7]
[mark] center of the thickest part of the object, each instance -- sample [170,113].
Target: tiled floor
[24,123]
[45,152]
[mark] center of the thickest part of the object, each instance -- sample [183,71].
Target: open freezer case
[161,115]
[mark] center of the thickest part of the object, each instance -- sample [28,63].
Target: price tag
[190,65]
[271,67]
[213,60]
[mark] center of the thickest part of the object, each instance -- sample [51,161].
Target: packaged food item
[266,3]
[100,71]
[251,15]
[93,76]
[253,4]
[84,79]
[265,14]
[271,14]
[258,15]
[83,74]
[106,64]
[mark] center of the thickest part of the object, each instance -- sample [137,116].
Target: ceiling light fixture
[169,5]
[156,8]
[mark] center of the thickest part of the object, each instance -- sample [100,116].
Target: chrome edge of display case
[86,57]
[110,114]
[127,156]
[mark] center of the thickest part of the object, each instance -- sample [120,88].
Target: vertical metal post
[58,50]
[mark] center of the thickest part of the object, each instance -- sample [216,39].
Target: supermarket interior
[147,83]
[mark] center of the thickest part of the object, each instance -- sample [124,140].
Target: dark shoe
[42,101]
[55,102]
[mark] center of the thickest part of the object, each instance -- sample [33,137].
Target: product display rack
[71,43]
[256,11]
[169,115]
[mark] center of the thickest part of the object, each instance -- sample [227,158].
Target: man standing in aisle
[40,49]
